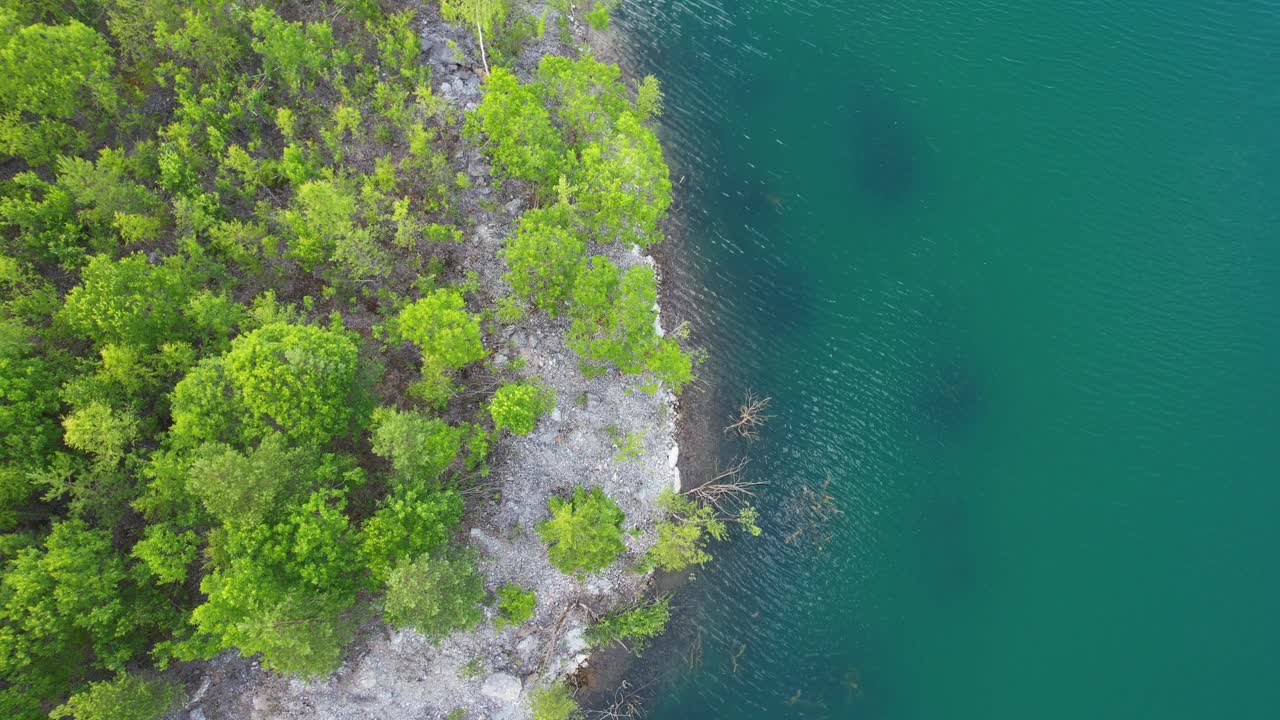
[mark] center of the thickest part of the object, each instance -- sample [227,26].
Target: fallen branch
[751,417]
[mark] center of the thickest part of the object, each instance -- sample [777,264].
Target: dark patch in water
[885,150]
[951,398]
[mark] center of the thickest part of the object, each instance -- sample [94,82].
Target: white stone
[502,687]
[575,640]
[673,456]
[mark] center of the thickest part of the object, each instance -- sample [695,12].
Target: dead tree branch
[751,417]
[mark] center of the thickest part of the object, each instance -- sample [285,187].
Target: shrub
[633,629]
[298,378]
[440,325]
[624,188]
[584,533]
[167,553]
[420,448]
[517,407]
[128,302]
[409,524]
[282,589]
[544,256]
[28,404]
[128,697]
[586,96]
[515,605]
[553,702]
[435,595]
[519,135]
[289,50]
[49,72]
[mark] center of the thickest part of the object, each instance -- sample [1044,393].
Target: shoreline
[488,672]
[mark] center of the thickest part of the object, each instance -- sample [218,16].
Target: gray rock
[673,457]
[197,713]
[555,415]
[515,206]
[445,88]
[502,687]
[477,168]
[527,646]
[575,640]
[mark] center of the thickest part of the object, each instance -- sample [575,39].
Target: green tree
[435,595]
[410,523]
[420,448]
[289,50]
[544,255]
[167,553]
[239,489]
[298,378]
[104,433]
[283,589]
[585,95]
[518,133]
[635,628]
[128,302]
[440,325]
[50,74]
[584,533]
[28,407]
[70,597]
[615,325]
[624,185]
[517,407]
[127,697]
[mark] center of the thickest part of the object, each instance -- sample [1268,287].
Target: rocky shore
[487,673]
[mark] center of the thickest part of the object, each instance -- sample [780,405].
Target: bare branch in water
[751,417]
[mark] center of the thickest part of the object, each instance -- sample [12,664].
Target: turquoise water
[1011,273]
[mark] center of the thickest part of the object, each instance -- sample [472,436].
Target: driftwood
[751,417]
[726,490]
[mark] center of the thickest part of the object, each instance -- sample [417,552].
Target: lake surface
[1010,271]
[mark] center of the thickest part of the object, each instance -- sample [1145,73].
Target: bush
[128,697]
[49,72]
[435,595]
[298,378]
[409,524]
[440,325]
[519,135]
[283,589]
[584,534]
[634,629]
[615,323]
[544,256]
[420,448]
[553,702]
[128,302]
[517,407]
[625,190]
[515,605]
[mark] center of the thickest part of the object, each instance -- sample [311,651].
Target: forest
[244,382]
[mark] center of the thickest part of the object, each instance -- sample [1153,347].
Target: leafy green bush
[554,702]
[615,323]
[435,595]
[297,378]
[128,697]
[420,448]
[129,301]
[683,537]
[586,96]
[634,629]
[28,405]
[545,255]
[440,325]
[584,533]
[515,605]
[409,524]
[49,72]
[289,50]
[518,406]
[282,589]
[518,133]
[624,187]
